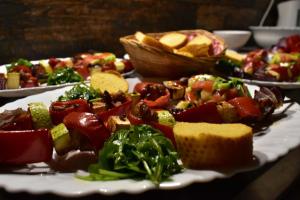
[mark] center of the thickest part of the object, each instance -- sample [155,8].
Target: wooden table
[276,180]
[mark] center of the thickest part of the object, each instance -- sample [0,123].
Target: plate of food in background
[278,66]
[24,77]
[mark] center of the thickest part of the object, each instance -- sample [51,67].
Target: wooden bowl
[151,61]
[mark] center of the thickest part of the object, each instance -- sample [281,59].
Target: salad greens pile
[80,91]
[138,152]
[64,75]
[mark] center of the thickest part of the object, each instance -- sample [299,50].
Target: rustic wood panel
[37,29]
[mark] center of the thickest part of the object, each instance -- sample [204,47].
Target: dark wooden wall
[36,29]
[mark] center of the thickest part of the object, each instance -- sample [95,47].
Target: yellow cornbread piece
[173,40]
[151,41]
[206,145]
[200,40]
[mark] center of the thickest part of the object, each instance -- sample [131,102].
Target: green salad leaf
[139,152]
[80,91]
[64,75]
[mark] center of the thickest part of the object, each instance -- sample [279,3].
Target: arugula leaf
[64,75]
[80,91]
[139,152]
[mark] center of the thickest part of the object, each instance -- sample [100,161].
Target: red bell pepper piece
[22,69]
[25,146]
[87,125]
[82,69]
[206,112]
[159,102]
[166,130]
[59,109]
[118,111]
[246,107]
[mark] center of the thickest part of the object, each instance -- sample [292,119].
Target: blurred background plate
[266,36]
[283,85]
[23,92]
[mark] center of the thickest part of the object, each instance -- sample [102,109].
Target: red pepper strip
[160,102]
[25,146]
[88,126]
[140,86]
[59,109]
[204,113]
[246,107]
[166,130]
[118,111]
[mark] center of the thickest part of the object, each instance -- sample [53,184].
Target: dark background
[36,29]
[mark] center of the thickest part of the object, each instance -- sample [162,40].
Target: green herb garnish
[80,91]
[139,152]
[64,75]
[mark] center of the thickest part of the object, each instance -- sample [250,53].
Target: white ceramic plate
[277,141]
[283,85]
[23,92]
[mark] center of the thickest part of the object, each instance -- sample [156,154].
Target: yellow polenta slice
[206,145]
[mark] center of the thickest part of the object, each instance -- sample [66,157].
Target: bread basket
[150,61]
